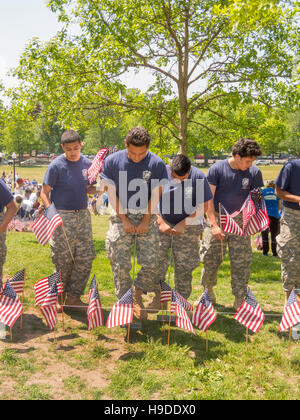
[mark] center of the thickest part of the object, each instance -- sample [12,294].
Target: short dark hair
[246,147]
[180,165]
[138,136]
[70,136]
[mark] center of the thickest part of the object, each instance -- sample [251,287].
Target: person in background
[6,200]
[273,210]
[288,241]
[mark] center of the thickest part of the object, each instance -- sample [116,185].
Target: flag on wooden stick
[94,311]
[43,286]
[10,305]
[204,314]
[49,307]
[18,281]
[46,224]
[250,314]
[182,319]
[122,311]
[165,292]
[291,314]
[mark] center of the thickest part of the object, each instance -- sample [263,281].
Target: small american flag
[10,305]
[291,314]
[250,314]
[18,281]
[46,224]
[97,164]
[49,307]
[165,292]
[255,217]
[228,224]
[43,286]
[182,319]
[204,314]
[183,302]
[122,311]
[94,312]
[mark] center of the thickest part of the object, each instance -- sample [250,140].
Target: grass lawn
[101,365]
[269,172]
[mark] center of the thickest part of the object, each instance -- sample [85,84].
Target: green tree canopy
[203,54]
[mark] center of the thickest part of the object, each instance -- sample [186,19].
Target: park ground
[79,364]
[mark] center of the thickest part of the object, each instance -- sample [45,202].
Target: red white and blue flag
[165,292]
[250,313]
[94,311]
[182,319]
[18,281]
[43,286]
[46,224]
[122,311]
[10,305]
[228,224]
[183,302]
[204,314]
[49,307]
[96,167]
[291,314]
[255,216]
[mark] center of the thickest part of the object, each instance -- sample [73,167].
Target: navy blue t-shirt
[180,199]
[233,185]
[134,181]
[68,181]
[5,195]
[289,180]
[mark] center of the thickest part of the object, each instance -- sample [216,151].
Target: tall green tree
[201,53]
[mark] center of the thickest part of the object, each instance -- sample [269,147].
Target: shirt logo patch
[85,174]
[245,183]
[147,175]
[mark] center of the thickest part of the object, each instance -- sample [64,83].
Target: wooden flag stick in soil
[21,319]
[62,307]
[206,344]
[290,338]
[10,331]
[128,334]
[63,228]
[170,317]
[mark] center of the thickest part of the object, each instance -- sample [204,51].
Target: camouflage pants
[3,250]
[185,258]
[78,229]
[212,253]
[288,249]
[118,246]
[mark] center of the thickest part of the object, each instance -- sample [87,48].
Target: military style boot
[138,306]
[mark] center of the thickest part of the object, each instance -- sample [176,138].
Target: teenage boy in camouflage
[184,200]
[231,181]
[65,184]
[128,177]
[288,245]
[6,200]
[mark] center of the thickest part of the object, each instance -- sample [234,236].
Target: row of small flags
[49,288]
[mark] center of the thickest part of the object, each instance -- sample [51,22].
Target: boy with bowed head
[66,185]
[131,178]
